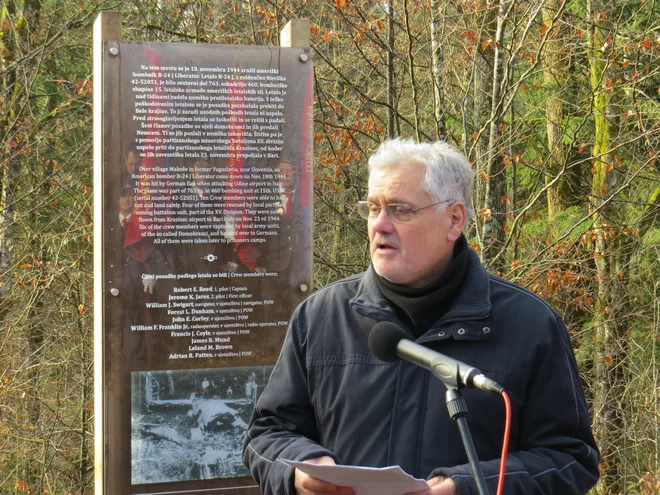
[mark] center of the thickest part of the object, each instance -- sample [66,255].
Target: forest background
[555,102]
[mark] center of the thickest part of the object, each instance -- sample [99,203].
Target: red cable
[505,442]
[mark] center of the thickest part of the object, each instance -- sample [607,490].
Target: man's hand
[306,485]
[440,485]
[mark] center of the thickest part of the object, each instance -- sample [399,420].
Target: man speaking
[331,400]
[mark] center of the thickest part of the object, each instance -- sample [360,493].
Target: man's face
[287,176]
[413,253]
[131,161]
[126,203]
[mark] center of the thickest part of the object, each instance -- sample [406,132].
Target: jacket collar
[470,304]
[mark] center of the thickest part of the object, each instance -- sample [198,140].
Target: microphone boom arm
[454,379]
[454,374]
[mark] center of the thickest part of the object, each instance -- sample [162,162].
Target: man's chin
[392,276]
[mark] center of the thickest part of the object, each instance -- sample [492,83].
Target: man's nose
[383,222]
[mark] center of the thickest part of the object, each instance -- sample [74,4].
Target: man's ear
[457,217]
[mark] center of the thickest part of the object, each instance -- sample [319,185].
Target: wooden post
[107,28]
[296,34]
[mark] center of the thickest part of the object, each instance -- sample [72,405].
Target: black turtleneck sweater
[421,308]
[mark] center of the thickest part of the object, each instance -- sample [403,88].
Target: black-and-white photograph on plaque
[189,424]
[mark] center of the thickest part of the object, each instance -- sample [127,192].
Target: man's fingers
[437,480]
[311,485]
[440,485]
[308,485]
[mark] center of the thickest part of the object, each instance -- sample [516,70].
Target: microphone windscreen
[383,340]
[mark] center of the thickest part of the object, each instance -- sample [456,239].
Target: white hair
[448,173]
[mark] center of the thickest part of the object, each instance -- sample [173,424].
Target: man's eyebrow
[390,201]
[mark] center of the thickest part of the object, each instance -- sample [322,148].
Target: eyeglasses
[396,211]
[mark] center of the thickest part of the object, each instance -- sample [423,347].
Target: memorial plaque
[207,249]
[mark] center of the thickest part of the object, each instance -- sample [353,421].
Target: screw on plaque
[114,51]
[210,257]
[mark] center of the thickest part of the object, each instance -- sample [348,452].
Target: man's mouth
[384,246]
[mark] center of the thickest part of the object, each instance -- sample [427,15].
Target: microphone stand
[458,411]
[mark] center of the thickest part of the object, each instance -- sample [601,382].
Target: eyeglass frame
[390,213]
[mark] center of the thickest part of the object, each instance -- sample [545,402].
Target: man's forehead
[407,178]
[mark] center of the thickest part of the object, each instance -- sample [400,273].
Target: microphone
[389,342]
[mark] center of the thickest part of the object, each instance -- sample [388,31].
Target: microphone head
[383,340]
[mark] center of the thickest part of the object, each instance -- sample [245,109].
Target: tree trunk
[15,30]
[391,86]
[437,58]
[494,217]
[486,22]
[556,62]
[611,252]
[411,71]
[11,164]
[7,197]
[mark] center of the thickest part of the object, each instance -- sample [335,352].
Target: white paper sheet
[364,480]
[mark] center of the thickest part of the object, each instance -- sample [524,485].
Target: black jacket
[329,395]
